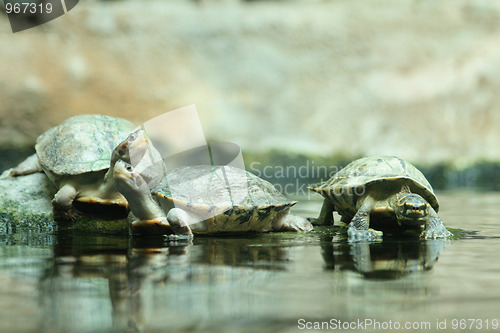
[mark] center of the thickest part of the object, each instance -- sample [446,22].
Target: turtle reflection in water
[385,188]
[389,259]
[76,156]
[207,200]
[136,277]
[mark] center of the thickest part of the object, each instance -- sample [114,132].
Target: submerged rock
[25,205]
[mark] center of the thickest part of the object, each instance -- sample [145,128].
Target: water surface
[269,282]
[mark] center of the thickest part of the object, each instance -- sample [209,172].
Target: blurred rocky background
[288,81]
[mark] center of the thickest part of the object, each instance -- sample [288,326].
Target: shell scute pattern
[240,200]
[347,185]
[81,144]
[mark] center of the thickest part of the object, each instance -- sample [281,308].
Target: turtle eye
[132,136]
[129,168]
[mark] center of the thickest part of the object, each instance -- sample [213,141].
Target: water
[269,282]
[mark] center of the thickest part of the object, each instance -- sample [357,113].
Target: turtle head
[128,181]
[411,210]
[135,189]
[134,145]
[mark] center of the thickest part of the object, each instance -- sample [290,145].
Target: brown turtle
[383,186]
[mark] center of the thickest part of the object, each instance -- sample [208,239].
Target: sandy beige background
[419,79]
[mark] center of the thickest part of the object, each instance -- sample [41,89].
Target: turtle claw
[178,237]
[181,232]
[356,235]
[291,222]
[178,240]
[63,215]
[435,233]
[178,221]
[435,229]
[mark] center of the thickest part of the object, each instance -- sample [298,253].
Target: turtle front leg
[179,222]
[291,222]
[435,228]
[62,204]
[326,215]
[358,229]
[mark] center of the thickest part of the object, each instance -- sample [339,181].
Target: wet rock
[25,203]
[25,206]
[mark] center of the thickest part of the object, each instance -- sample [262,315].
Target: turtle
[76,156]
[384,187]
[198,199]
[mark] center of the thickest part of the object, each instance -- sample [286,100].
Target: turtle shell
[81,144]
[375,174]
[229,198]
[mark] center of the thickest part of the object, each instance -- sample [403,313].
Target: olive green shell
[361,175]
[232,199]
[81,144]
